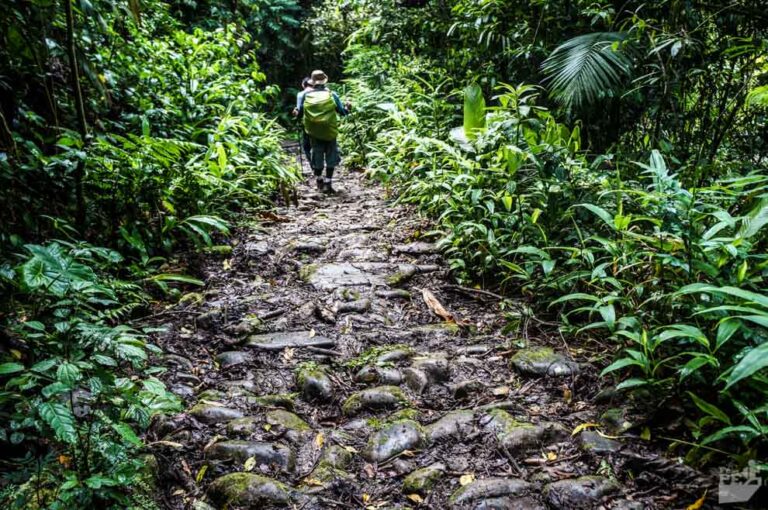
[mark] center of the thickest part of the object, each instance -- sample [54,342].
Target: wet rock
[233,358]
[474,350]
[393,356]
[241,427]
[290,422]
[583,492]
[282,400]
[509,503]
[182,390]
[257,248]
[296,339]
[453,424]
[211,395]
[591,441]
[543,361]
[310,246]
[393,439]
[422,480]
[248,490]
[416,380]
[270,454]
[372,374]
[488,488]
[416,248]
[436,368]
[381,397]
[393,294]
[466,389]
[615,422]
[333,276]
[244,327]
[402,275]
[336,456]
[179,361]
[359,306]
[331,465]
[210,414]
[516,436]
[188,378]
[242,384]
[315,385]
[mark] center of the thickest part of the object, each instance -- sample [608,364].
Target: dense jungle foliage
[604,162]
[608,161]
[131,133]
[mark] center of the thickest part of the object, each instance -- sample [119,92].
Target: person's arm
[339,106]
[300,103]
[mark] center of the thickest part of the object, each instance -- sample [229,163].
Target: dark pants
[324,154]
[306,145]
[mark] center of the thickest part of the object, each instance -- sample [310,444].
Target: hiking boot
[329,189]
[320,184]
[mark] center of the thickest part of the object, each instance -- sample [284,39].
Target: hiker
[319,108]
[306,144]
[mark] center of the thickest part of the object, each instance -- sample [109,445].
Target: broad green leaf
[474,110]
[60,419]
[11,368]
[753,361]
[710,409]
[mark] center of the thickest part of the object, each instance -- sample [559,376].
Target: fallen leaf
[366,498]
[249,464]
[288,353]
[436,307]
[696,505]
[567,394]
[408,453]
[227,264]
[370,472]
[551,456]
[167,443]
[466,479]
[645,435]
[178,492]
[319,440]
[65,460]
[584,426]
[350,449]
[314,482]
[501,391]
[312,333]
[415,498]
[267,427]
[16,353]
[201,473]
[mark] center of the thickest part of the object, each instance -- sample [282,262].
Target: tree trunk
[79,111]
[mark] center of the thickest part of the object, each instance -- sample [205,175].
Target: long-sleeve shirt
[300,101]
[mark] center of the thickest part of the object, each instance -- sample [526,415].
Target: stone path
[316,377]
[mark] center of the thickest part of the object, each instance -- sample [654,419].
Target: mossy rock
[381,397]
[248,490]
[422,480]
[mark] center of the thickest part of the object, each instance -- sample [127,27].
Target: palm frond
[587,68]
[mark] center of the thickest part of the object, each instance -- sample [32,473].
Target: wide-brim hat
[318,78]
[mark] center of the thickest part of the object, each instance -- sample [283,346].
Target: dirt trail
[316,376]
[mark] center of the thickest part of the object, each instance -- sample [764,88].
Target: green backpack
[320,120]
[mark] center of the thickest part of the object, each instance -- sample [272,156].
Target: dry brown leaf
[551,456]
[288,353]
[370,472]
[249,464]
[415,498]
[466,479]
[436,307]
[501,391]
[319,440]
